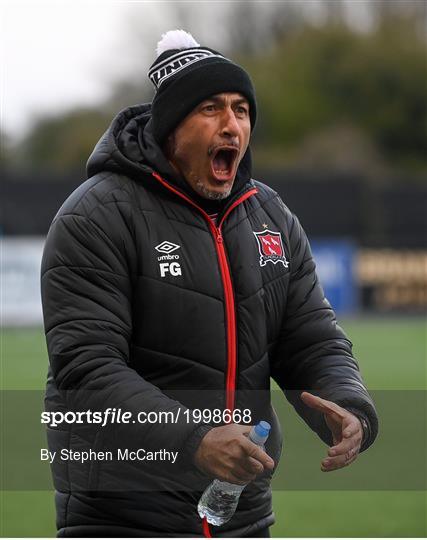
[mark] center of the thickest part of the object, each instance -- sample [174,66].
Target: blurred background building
[341,135]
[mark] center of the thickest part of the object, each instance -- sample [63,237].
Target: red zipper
[230,307]
[206,530]
[230,385]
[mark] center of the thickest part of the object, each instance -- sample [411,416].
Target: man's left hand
[346,429]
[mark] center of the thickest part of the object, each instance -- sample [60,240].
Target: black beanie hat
[184,74]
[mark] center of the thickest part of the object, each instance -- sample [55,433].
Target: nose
[229,124]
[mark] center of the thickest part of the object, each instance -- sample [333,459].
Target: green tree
[4,149]
[313,83]
[320,77]
[63,143]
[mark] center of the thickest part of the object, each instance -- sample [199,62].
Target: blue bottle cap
[262,429]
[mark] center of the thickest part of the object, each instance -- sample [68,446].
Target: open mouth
[223,163]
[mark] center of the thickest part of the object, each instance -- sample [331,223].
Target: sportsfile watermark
[113,415]
[109,448]
[119,454]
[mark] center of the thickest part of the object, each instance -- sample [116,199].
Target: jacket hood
[128,147]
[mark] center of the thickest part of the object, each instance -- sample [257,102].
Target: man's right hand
[227,453]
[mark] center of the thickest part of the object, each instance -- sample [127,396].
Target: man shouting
[173,282]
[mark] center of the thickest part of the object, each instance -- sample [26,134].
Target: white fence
[20,302]
[398,278]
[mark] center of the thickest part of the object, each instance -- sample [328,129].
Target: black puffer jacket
[149,306]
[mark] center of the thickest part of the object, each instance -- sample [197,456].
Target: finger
[353,458]
[238,429]
[331,464]
[350,432]
[242,474]
[342,448]
[236,477]
[351,437]
[342,459]
[345,445]
[351,426]
[334,423]
[245,429]
[249,465]
[338,462]
[255,452]
[322,405]
[352,429]
[252,466]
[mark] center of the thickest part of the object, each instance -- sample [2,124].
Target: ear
[169,146]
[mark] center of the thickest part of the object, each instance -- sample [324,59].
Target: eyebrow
[217,99]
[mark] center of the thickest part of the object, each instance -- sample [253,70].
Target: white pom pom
[175,39]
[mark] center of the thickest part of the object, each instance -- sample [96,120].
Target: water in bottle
[219,500]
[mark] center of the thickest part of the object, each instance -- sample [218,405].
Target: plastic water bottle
[219,500]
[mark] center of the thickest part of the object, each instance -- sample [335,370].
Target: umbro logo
[165,264]
[167,247]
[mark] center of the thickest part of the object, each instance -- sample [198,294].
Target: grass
[392,357]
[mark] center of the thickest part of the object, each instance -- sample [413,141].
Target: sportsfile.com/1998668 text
[114,415]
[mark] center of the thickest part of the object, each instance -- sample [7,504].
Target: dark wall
[392,215]
[346,206]
[28,204]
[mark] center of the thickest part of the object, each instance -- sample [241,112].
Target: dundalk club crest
[270,248]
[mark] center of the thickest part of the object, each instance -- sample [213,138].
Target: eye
[242,110]
[209,107]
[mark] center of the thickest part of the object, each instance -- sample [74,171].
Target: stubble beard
[171,151]
[212,195]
